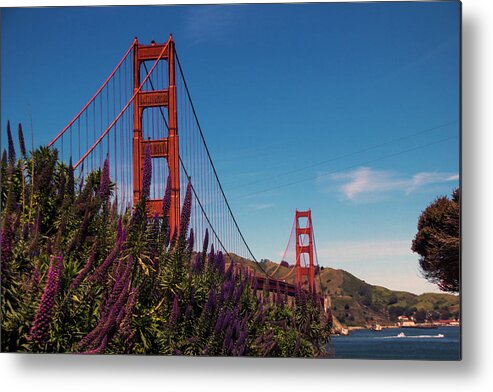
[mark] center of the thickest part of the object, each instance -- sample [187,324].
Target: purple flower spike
[7,241]
[219,323]
[147,173]
[101,271]
[42,319]
[12,157]
[35,280]
[119,230]
[255,285]
[186,211]
[197,263]
[104,184]
[83,273]
[127,320]
[71,179]
[210,259]
[122,278]
[123,238]
[167,197]
[226,320]
[231,289]
[229,272]
[100,349]
[211,302]
[111,311]
[239,291]
[175,312]
[228,339]
[22,143]
[219,261]
[241,342]
[191,240]
[205,245]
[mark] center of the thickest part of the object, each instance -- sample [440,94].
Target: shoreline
[346,330]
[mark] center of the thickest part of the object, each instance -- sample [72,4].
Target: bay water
[442,343]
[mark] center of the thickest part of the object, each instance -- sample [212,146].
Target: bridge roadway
[286,288]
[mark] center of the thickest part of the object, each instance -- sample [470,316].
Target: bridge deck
[285,288]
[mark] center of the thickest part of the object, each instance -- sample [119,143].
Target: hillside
[357,303]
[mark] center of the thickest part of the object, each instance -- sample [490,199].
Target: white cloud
[424,178]
[374,184]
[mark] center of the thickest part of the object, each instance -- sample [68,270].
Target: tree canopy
[438,242]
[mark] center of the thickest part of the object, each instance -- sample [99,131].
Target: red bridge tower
[160,148]
[305,271]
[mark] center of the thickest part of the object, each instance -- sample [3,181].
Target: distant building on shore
[404,321]
[451,323]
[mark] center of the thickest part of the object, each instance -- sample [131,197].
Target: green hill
[357,303]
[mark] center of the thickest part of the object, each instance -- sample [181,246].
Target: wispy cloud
[260,206]
[367,184]
[425,178]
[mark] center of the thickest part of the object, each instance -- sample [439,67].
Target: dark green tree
[420,316]
[438,242]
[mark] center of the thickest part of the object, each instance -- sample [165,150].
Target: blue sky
[351,110]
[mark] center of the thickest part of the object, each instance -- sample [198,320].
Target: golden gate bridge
[145,103]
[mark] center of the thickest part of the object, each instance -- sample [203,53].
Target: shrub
[79,277]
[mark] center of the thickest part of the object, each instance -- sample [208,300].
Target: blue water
[422,344]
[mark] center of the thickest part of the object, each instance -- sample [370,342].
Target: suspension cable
[318,264]
[94,96]
[285,250]
[213,168]
[212,164]
[101,137]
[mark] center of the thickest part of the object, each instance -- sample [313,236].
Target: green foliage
[438,242]
[122,286]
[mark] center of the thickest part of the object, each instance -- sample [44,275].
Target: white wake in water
[403,336]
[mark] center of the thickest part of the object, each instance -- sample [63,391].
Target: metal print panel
[232,180]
